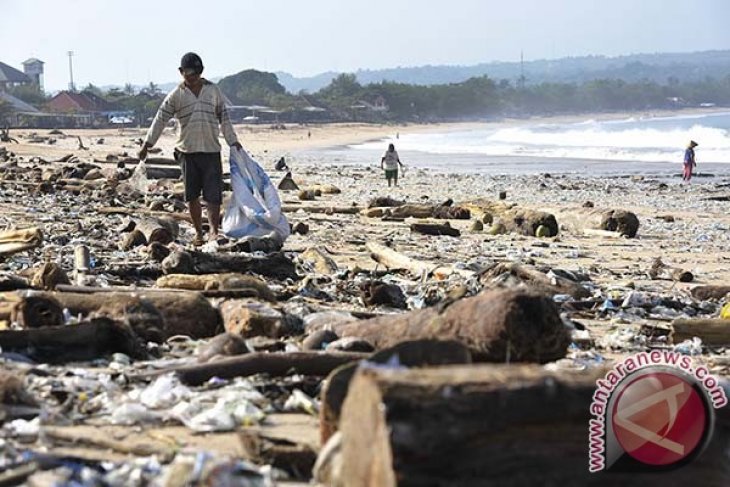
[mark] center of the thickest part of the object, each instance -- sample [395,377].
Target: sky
[138,41]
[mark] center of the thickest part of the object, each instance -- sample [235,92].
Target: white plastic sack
[255,208]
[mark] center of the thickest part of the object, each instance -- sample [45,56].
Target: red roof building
[70,102]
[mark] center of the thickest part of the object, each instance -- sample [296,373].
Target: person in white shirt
[390,163]
[200,110]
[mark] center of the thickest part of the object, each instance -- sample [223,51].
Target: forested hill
[660,68]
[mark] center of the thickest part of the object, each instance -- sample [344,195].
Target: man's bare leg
[214,217]
[196,213]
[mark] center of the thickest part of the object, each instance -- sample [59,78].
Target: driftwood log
[275,265]
[162,230]
[435,229]
[396,260]
[417,353]
[329,210]
[248,318]
[30,310]
[660,270]
[48,276]
[135,212]
[154,316]
[486,425]
[709,292]
[496,326]
[85,341]
[13,241]
[581,219]
[510,275]
[154,172]
[320,260]
[12,282]
[209,293]
[276,364]
[220,282]
[712,332]
[397,210]
[523,221]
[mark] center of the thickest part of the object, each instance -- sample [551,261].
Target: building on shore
[11,77]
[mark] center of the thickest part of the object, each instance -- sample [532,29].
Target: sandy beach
[267,141]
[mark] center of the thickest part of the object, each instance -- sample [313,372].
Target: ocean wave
[584,140]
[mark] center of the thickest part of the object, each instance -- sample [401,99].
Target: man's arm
[164,114]
[225,121]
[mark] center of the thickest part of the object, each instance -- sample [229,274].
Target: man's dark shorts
[202,172]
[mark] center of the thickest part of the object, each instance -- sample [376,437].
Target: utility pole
[71,85]
[522,79]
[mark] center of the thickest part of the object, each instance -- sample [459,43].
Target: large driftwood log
[274,364]
[525,275]
[485,425]
[395,260]
[712,332]
[496,326]
[85,341]
[155,316]
[523,221]
[275,265]
[417,353]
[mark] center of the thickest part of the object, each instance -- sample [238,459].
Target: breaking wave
[646,140]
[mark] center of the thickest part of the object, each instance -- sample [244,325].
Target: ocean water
[651,145]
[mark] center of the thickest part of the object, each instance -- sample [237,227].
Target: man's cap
[692,143]
[192,61]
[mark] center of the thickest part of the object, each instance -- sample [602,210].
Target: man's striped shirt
[199,118]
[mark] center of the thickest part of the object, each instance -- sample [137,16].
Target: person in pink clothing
[689,161]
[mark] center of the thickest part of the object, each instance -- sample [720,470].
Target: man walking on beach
[198,106]
[390,162]
[689,161]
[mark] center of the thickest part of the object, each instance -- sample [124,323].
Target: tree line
[345,99]
[479,97]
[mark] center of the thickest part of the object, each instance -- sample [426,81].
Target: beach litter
[131,357]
